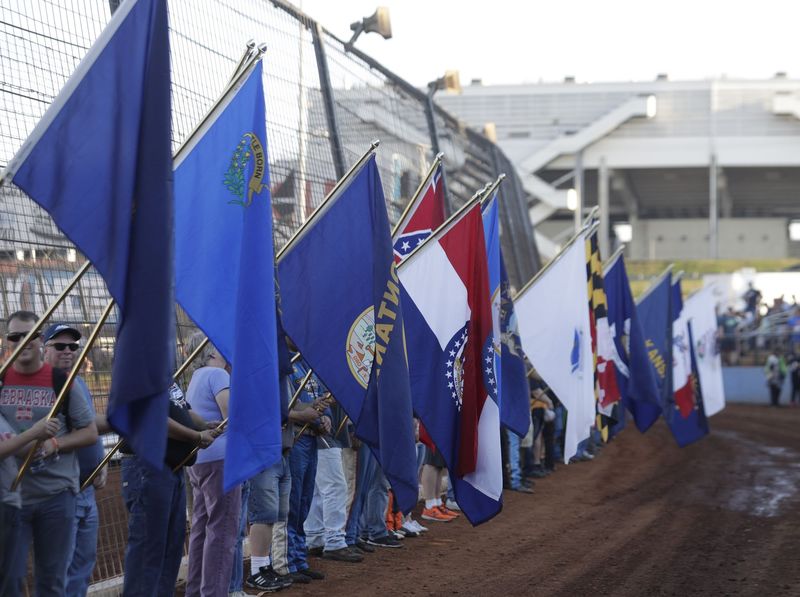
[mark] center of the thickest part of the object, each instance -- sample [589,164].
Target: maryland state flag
[604,352]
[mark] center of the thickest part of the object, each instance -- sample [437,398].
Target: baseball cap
[60,328]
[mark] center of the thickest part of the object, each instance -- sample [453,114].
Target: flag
[424,216]
[224,268]
[341,307]
[638,388]
[685,414]
[556,336]
[99,162]
[701,312]
[515,413]
[604,351]
[449,334]
[654,312]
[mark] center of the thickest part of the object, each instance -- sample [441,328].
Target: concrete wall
[747,384]
[745,238]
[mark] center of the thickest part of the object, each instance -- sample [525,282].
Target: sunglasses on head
[59,346]
[17,336]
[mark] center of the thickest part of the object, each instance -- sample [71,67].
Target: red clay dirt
[721,517]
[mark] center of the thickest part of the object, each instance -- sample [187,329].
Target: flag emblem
[575,355]
[361,346]
[248,147]
[454,366]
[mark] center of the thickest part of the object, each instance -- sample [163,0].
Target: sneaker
[237,594]
[343,555]
[315,551]
[448,512]
[452,505]
[522,489]
[397,535]
[312,574]
[409,530]
[259,582]
[269,572]
[364,546]
[435,515]
[299,578]
[416,525]
[285,579]
[386,541]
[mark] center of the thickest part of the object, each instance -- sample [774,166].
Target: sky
[506,41]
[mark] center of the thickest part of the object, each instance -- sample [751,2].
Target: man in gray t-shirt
[50,485]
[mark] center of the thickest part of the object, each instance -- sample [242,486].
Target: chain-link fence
[325,103]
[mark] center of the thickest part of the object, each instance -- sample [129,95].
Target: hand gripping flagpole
[45,316]
[64,390]
[248,60]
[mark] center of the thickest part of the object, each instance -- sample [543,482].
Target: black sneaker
[269,572]
[299,578]
[263,583]
[364,547]
[312,574]
[315,551]
[345,554]
[385,541]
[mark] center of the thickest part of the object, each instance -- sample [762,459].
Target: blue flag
[512,382]
[224,268]
[637,384]
[684,412]
[341,307]
[655,314]
[100,163]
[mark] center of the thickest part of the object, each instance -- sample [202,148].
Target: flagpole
[655,283]
[488,194]
[591,215]
[218,429]
[582,233]
[436,161]
[45,316]
[322,206]
[251,44]
[439,232]
[614,256]
[64,390]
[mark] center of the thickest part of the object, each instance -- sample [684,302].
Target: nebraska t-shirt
[26,398]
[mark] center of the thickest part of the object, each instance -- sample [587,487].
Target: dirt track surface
[721,517]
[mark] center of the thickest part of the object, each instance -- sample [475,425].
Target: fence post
[327,97]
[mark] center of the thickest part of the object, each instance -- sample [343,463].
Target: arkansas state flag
[449,333]
[424,215]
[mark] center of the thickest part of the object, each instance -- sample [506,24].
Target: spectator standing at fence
[728,323]
[215,514]
[156,503]
[775,372]
[49,488]
[793,367]
[61,344]
[10,501]
[752,299]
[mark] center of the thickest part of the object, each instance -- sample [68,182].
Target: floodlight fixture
[378,23]
[572,199]
[624,232]
[794,230]
[652,106]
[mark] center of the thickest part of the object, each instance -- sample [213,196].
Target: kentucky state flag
[424,216]
[685,414]
[224,268]
[341,307]
[100,163]
[449,334]
[637,382]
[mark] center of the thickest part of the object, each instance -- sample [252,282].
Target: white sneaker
[238,594]
[414,525]
[452,505]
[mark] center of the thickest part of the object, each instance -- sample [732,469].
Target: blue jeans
[367,514]
[324,526]
[9,543]
[237,574]
[303,464]
[50,524]
[84,546]
[156,503]
[513,459]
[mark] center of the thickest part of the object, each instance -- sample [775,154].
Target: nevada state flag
[449,338]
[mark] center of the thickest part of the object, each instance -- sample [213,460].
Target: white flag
[553,319]
[701,311]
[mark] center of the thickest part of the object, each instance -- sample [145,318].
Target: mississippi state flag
[424,216]
[449,333]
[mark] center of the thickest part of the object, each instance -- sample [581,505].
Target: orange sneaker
[448,512]
[435,514]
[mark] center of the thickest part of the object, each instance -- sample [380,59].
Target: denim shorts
[269,494]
